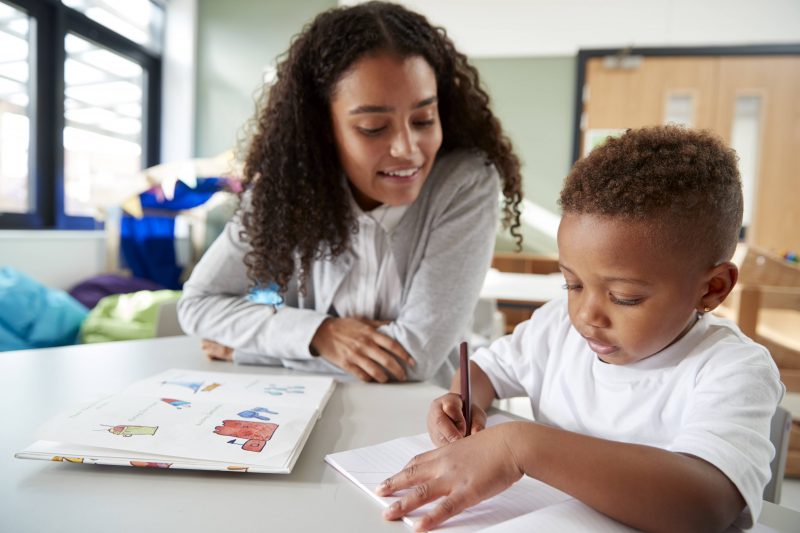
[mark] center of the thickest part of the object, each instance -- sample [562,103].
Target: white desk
[524,289]
[37,496]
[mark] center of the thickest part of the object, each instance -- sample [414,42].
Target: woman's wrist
[317,339]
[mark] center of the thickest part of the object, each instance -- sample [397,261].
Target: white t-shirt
[712,394]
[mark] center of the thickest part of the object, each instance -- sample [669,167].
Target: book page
[195,417]
[368,467]
[310,391]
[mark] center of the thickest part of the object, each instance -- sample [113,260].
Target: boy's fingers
[452,409]
[447,427]
[411,475]
[447,507]
[478,420]
[420,495]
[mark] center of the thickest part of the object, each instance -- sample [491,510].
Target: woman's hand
[216,351]
[446,422]
[356,346]
[462,474]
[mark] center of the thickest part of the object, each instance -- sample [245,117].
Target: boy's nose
[591,314]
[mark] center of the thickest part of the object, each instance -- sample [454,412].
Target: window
[14,110]
[79,107]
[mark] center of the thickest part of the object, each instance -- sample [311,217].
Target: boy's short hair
[685,181]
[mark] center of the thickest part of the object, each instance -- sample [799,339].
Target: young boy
[647,408]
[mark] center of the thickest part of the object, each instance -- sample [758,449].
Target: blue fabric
[35,316]
[148,247]
[148,243]
[268,295]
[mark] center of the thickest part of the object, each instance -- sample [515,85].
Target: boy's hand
[356,346]
[446,422]
[462,475]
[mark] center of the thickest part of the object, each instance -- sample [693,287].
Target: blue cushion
[35,316]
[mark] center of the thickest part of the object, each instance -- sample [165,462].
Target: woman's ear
[720,281]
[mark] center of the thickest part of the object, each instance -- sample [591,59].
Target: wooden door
[711,92]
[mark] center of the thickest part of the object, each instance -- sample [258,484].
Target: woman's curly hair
[299,208]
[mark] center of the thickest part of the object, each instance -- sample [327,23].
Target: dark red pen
[466,389]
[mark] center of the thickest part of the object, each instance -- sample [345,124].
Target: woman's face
[386,126]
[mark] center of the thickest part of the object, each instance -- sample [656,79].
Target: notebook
[191,419]
[528,505]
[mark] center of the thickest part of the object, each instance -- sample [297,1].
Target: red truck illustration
[256,434]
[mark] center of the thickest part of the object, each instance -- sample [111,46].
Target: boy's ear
[720,281]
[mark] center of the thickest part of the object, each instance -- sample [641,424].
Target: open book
[191,419]
[528,505]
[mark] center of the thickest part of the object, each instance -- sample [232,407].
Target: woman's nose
[403,144]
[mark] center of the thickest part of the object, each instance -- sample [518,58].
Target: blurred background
[121,124]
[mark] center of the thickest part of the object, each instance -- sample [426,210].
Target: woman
[369,216]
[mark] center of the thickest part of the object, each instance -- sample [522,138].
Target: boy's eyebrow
[386,109]
[632,281]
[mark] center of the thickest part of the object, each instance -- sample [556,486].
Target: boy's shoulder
[723,347]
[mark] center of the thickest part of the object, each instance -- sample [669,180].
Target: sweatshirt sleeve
[444,289]
[214,305]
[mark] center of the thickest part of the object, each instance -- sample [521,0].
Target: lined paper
[528,505]
[368,467]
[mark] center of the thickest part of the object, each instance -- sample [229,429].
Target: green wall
[534,99]
[236,39]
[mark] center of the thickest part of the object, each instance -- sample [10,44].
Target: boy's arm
[645,487]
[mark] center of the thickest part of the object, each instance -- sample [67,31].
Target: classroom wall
[55,258]
[533,98]
[525,28]
[525,50]
[237,41]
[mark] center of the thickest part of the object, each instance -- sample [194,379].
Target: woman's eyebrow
[387,109]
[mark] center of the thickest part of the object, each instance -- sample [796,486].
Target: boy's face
[630,296]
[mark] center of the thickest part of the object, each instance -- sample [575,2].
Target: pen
[466,389]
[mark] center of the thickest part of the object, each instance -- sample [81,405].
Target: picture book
[528,505]
[191,419]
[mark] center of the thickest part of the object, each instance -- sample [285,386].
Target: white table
[37,496]
[523,289]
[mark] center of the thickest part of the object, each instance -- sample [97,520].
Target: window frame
[53,21]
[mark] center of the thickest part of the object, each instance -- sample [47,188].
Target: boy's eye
[624,301]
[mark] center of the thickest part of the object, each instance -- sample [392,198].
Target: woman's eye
[624,301]
[424,123]
[370,132]
[572,286]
